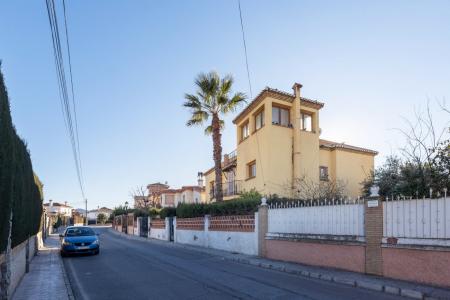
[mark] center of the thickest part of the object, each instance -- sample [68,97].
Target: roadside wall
[230,233]
[19,261]
[159,229]
[429,265]
[324,252]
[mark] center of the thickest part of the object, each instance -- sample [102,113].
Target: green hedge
[18,189]
[168,212]
[247,203]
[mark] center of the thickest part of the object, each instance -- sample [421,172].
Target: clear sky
[371,63]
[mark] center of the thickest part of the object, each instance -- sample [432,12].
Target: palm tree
[212,100]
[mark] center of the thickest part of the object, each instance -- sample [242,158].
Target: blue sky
[371,63]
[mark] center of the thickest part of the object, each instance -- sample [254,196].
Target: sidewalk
[376,283]
[46,279]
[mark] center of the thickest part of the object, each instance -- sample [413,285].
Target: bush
[247,203]
[168,212]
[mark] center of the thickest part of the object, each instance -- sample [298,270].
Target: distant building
[55,209]
[187,194]
[161,195]
[93,214]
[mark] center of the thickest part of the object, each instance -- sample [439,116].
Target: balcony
[229,160]
[229,188]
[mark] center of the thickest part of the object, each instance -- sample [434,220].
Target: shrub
[168,212]
[247,203]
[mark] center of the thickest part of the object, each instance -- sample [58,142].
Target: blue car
[79,240]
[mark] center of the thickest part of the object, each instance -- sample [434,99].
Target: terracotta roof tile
[336,145]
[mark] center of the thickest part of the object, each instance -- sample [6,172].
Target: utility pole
[86,219]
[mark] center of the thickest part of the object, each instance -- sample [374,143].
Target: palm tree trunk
[217,155]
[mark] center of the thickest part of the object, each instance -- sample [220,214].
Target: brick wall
[158,223]
[245,223]
[191,223]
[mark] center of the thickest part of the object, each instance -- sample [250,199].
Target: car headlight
[66,243]
[95,242]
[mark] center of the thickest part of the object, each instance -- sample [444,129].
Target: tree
[308,189]
[424,161]
[213,100]
[139,196]
[101,218]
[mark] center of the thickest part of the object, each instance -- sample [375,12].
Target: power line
[63,91]
[73,93]
[245,49]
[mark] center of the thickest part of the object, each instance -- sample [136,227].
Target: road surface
[131,269]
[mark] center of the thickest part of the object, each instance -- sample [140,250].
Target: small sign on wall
[372,203]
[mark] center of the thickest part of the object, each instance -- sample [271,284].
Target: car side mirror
[61,235]
[97,234]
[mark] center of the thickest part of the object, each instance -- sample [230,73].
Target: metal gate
[171,231]
[143,226]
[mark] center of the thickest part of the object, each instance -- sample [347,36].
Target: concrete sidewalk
[376,283]
[47,278]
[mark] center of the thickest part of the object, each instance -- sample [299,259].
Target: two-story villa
[278,143]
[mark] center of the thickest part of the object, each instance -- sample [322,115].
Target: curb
[66,280]
[368,285]
[364,284]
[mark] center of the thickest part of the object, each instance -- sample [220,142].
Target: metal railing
[229,188]
[423,218]
[330,217]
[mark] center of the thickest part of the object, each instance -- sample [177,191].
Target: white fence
[417,218]
[331,217]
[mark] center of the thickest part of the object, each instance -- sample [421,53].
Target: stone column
[373,227]
[263,214]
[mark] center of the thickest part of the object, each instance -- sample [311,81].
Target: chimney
[50,203]
[200,179]
[297,87]
[65,203]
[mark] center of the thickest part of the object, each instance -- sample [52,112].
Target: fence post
[373,229]
[263,224]
[206,230]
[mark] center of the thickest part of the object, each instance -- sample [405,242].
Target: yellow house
[279,145]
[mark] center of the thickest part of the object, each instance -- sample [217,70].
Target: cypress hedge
[19,192]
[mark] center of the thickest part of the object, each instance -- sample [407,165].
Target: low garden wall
[429,265]
[159,229]
[230,233]
[344,253]
[19,261]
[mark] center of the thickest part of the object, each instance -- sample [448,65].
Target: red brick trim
[158,223]
[245,223]
[191,223]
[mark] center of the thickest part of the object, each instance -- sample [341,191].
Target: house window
[259,120]
[323,173]
[305,121]
[245,131]
[211,189]
[280,116]
[251,169]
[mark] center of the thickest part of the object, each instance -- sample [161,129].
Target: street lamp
[126,207]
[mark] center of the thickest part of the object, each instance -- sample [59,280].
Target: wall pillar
[373,227]
[263,224]
[206,230]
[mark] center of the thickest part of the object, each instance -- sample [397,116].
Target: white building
[93,214]
[187,194]
[55,208]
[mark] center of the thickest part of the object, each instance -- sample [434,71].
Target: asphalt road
[129,269]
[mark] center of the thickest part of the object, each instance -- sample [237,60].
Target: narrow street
[130,269]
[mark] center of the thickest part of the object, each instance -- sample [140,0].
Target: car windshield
[82,231]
